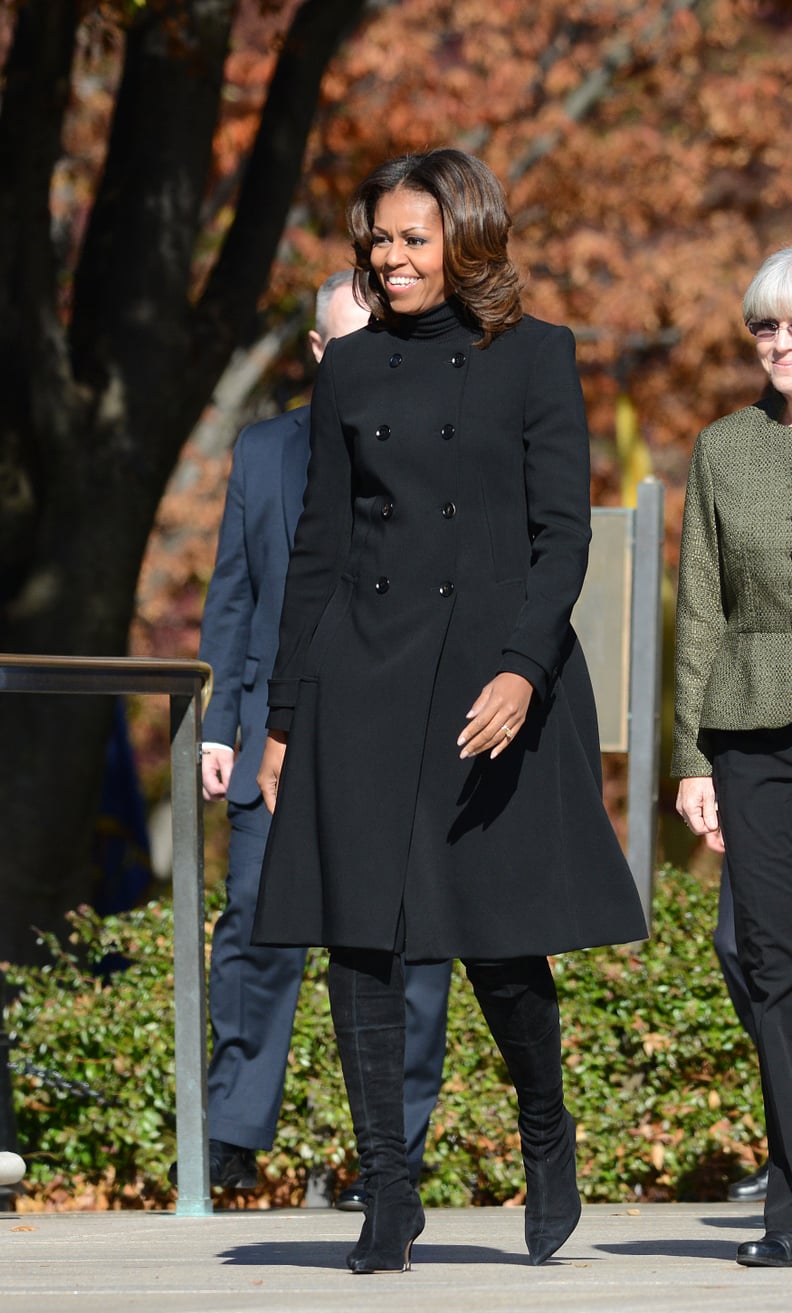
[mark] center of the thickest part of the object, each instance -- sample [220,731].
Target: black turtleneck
[441,321]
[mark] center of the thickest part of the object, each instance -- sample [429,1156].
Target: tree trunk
[93,415]
[78,601]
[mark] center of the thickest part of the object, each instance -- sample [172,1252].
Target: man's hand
[496,716]
[216,767]
[269,774]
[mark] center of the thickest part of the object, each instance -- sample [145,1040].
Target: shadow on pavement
[718,1249]
[750,1222]
[329,1253]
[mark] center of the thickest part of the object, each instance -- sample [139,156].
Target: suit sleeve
[557,485]
[701,620]
[228,612]
[321,544]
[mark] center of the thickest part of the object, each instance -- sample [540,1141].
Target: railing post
[183,682]
[188,958]
[645,671]
[8,1133]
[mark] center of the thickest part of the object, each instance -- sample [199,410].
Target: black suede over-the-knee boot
[518,999]
[367,1003]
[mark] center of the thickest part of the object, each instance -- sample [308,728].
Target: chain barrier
[55,1081]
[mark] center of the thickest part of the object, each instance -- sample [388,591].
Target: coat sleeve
[557,485]
[228,612]
[701,620]
[321,544]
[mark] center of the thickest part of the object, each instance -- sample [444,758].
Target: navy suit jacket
[239,633]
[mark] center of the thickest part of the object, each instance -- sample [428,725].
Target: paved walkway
[658,1258]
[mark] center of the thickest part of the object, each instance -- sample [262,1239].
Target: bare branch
[618,56]
[220,422]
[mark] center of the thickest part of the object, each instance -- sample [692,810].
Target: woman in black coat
[441,793]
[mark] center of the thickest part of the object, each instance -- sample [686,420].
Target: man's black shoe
[230,1167]
[751,1189]
[773,1250]
[352,1199]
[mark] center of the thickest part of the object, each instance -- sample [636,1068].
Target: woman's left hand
[495,717]
[697,805]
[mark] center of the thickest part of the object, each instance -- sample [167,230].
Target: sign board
[603,622]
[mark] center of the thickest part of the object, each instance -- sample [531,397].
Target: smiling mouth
[393,280]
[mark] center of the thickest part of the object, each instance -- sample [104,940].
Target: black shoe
[751,1189]
[230,1167]
[352,1199]
[773,1250]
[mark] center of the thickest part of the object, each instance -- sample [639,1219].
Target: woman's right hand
[697,805]
[269,772]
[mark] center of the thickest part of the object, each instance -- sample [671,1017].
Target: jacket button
[383,584]
[458,359]
[447,431]
[395,360]
[387,510]
[383,432]
[449,510]
[446,588]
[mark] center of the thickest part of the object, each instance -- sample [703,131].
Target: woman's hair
[769,294]
[476,227]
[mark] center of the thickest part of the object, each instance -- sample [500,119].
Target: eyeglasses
[765,330]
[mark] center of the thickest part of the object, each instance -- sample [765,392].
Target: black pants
[725,943]
[753,781]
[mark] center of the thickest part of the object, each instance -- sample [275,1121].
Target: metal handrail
[79,674]
[188,684]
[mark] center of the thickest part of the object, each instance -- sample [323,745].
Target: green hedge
[660,1077]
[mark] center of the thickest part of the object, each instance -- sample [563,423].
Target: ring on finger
[507,731]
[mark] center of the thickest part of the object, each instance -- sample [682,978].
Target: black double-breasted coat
[444,538]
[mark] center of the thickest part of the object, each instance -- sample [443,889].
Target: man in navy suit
[253,990]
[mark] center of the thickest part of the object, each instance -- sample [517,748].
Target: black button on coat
[379,825]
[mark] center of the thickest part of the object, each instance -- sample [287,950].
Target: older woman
[440,793]
[733,737]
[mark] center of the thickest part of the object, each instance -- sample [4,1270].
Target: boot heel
[408,1255]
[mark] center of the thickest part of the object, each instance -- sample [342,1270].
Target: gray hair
[325,295]
[769,294]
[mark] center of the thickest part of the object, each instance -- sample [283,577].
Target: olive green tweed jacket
[734,607]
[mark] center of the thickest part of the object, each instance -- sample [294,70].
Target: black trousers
[725,943]
[752,772]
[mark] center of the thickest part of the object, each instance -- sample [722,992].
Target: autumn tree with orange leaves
[643,146]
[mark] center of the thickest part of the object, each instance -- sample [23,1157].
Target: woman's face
[775,357]
[407,251]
